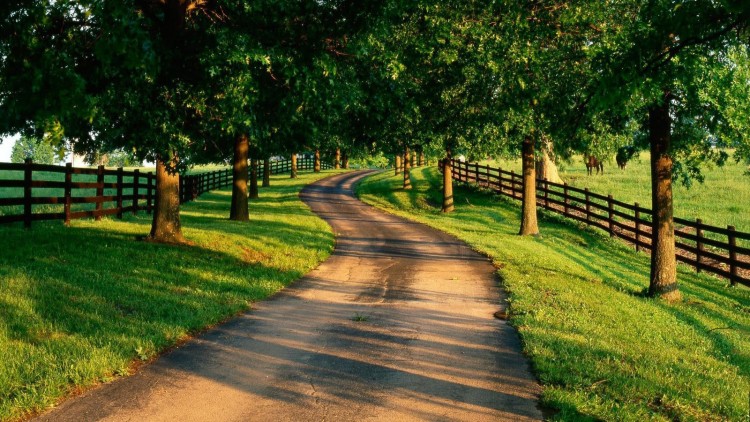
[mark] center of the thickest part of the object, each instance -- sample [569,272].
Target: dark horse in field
[594,163]
[624,154]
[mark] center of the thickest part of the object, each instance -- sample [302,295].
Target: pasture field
[601,349]
[723,199]
[84,304]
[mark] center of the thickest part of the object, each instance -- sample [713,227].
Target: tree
[653,61]
[36,150]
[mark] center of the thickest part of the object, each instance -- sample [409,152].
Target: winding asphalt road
[396,325]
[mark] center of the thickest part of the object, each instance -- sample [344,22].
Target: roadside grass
[601,349]
[720,201]
[82,305]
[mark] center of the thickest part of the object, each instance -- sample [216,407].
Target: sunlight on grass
[722,200]
[79,304]
[600,348]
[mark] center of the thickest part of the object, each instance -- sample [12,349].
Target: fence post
[136,189]
[566,198]
[27,174]
[513,184]
[500,180]
[99,192]
[637,227]
[732,256]
[119,193]
[698,244]
[546,193]
[610,208]
[68,191]
[588,207]
[149,192]
[476,171]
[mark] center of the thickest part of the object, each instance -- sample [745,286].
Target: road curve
[396,325]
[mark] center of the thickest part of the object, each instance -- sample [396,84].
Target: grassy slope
[727,187]
[601,349]
[79,304]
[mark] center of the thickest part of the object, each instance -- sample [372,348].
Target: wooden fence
[706,248]
[69,193]
[72,193]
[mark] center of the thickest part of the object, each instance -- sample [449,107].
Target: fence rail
[707,248]
[35,192]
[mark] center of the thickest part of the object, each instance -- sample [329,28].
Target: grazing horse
[594,163]
[624,154]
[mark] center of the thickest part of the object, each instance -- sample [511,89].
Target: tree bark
[545,164]
[407,169]
[165,225]
[254,179]
[239,210]
[267,172]
[345,160]
[397,165]
[294,166]
[447,183]
[663,280]
[316,164]
[420,160]
[529,226]
[337,159]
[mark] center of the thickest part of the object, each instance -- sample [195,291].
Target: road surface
[396,325]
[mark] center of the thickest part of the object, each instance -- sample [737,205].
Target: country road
[396,325]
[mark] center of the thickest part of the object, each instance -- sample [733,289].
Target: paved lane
[397,325]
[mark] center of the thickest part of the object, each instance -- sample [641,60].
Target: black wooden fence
[35,192]
[707,248]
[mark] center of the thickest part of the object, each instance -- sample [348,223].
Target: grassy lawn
[601,349]
[84,304]
[722,200]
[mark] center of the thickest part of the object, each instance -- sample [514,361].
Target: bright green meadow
[80,305]
[721,200]
[601,349]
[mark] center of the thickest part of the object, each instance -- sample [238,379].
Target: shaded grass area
[601,349]
[78,305]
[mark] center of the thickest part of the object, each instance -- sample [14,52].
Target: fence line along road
[69,193]
[706,248]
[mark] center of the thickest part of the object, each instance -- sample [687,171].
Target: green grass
[79,305]
[600,348]
[722,200]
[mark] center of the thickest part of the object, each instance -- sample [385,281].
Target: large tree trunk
[397,165]
[337,159]
[267,172]
[254,179]
[239,210]
[407,169]
[447,183]
[529,226]
[545,164]
[663,282]
[316,163]
[165,226]
[294,166]
[345,160]
[420,160]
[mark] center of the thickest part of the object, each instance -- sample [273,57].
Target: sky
[5,148]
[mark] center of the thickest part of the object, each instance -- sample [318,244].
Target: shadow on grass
[78,304]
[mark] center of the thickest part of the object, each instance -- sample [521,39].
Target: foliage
[74,316]
[601,349]
[37,150]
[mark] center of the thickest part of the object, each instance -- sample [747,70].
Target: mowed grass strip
[79,305]
[602,350]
